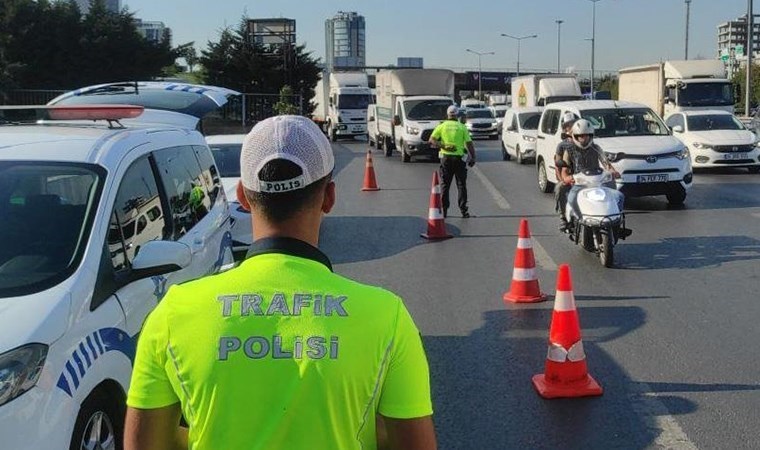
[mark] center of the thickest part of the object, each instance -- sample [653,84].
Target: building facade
[154,31]
[111,5]
[345,41]
[732,36]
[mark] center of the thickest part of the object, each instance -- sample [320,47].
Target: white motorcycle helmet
[580,128]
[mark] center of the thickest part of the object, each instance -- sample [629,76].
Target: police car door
[199,215]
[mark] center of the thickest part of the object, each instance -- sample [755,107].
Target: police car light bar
[70,112]
[94,112]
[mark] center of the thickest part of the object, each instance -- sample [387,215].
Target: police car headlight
[596,195]
[683,154]
[412,130]
[20,369]
[529,138]
[701,146]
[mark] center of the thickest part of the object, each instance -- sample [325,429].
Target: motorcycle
[599,222]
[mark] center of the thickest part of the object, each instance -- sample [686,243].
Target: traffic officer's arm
[408,434]
[471,151]
[155,429]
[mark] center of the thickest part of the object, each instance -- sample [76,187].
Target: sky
[628,32]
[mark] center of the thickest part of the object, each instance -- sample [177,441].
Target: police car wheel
[99,424]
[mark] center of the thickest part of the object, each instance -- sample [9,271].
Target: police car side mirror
[510,128]
[677,128]
[396,120]
[159,258]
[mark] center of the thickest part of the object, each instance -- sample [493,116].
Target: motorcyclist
[584,155]
[567,121]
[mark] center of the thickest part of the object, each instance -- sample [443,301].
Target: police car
[98,219]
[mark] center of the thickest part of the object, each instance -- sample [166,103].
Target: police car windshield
[707,122]
[227,157]
[620,122]
[47,211]
[426,109]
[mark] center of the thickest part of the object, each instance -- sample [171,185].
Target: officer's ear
[328,200]
[241,197]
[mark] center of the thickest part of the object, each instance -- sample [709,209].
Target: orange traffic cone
[524,288]
[566,374]
[370,183]
[436,226]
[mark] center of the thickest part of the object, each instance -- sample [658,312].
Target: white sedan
[226,150]
[716,139]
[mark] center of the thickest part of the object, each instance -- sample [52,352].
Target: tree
[189,54]
[50,45]
[237,63]
[740,80]
[285,105]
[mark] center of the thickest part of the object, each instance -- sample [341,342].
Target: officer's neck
[304,227]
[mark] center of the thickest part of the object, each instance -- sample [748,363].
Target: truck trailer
[672,86]
[410,104]
[543,89]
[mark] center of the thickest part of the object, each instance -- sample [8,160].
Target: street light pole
[749,49]
[686,45]
[593,43]
[518,39]
[559,24]
[480,75]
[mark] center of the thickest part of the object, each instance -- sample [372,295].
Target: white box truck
[410,104]
[672,86]
[341,100]
[543,89]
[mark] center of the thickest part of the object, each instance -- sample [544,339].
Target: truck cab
[414,120]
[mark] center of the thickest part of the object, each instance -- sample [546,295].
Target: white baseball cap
[292,138]
[452,111]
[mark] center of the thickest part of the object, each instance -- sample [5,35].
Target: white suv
[98,220]
[634,139]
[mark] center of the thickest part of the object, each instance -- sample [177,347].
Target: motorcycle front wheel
[606,254]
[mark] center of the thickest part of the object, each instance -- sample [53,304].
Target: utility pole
[593,43]
[749,51]
[559,24]
[686,50]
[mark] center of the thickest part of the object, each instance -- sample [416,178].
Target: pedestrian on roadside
[280,352]
[453,139]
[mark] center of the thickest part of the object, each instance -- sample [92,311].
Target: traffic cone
[436,226]
[524,288]
[370,183]
[566,374]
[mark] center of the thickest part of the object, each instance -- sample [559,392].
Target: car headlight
[412,130]
[683,154]
[20,369]
[529,138]
[700,145]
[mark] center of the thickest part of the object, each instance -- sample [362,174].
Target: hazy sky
[628,32]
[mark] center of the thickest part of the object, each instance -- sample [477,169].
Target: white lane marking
[647,405]
[498,198]
[542,258]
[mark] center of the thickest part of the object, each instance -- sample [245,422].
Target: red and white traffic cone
[524,287]
[436,226]
[370,182]
[566,373]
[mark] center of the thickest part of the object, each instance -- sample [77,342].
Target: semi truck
[543,89]
[672,86]
[410,104]
[341,100]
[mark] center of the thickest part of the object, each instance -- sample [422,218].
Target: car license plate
[653,178]
[735,156]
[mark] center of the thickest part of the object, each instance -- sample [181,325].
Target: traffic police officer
[280,352]
[453,138]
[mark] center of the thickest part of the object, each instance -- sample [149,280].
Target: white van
[635,140]
[98,219]
[518,136]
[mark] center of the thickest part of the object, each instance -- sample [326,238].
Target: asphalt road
[670,332]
